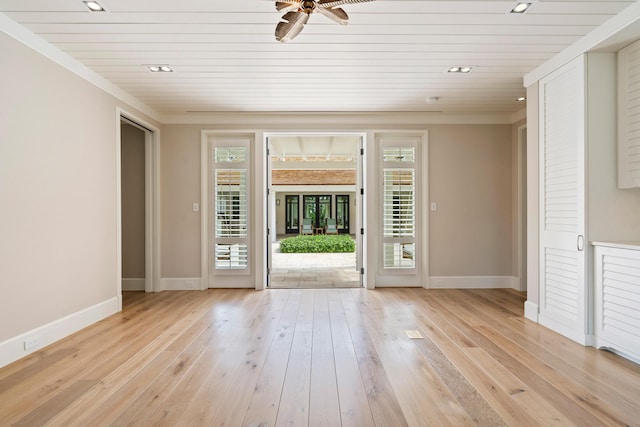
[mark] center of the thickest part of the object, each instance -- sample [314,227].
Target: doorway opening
[315,200]
[138,226]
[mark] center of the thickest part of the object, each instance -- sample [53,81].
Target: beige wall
[470,180]
[57,192]
[180,188]
[612,214]
[133,215]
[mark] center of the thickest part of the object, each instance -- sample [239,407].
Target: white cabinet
[617,298]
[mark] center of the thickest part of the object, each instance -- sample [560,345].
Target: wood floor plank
[265,399]
[385,408]
[420,381]
[294,401]
[435,324]
[43,414]
[324,405]
[335,357]
[471,326]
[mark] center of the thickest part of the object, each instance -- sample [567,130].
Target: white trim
[333,122]
[563,328]
[603,344]
[425,210]
[13,348]
[133,284]
[23,35]
[521,178]
[595,38]
[473,282]
[531,311]
[204,209]
[181,284]
[118,166]
[152,201]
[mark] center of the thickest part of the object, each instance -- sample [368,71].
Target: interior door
[562,203]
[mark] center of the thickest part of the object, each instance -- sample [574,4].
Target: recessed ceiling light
[93,6]
[521,99]
[460,69]
[520,8]
[160,68]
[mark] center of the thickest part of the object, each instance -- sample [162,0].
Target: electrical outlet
[31,342]
[189,285]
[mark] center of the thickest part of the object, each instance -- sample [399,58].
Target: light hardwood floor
[326,357]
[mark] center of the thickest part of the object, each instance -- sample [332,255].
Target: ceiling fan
[297,14]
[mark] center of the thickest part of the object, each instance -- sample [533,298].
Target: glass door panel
[342,213]
[324,211]
[310,209]
[292,214]
[317,208]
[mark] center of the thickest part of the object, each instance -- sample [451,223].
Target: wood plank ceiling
[392,57]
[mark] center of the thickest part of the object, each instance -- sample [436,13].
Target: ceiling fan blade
[334,3]
[335,14]
[290,26]
[287,6]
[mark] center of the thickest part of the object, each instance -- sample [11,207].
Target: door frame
[152,202]
[269,199]
[522,207]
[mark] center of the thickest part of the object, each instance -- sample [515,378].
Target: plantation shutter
[230,205]
[399,206]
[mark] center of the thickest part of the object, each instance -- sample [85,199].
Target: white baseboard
[133,284]
[474,282]
[14,348]
[181,284]
[531,311]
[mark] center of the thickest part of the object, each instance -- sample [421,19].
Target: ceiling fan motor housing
[308,6]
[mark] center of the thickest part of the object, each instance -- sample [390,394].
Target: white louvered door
[629,116]
[562,216]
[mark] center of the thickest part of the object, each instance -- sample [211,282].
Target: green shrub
[319,243]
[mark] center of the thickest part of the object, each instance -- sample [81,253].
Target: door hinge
[362,151]
[268,151]
[362,271]
[268,231]
[267,191]
[362,231]
[362,191]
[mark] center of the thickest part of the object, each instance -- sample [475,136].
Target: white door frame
[522,207]
[152,203]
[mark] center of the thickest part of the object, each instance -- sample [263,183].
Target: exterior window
[398,207]
[230,175]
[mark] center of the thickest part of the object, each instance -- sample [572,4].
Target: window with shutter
[230,205]
[398,207]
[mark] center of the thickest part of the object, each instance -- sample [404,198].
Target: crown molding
[332,120]
[26,37]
